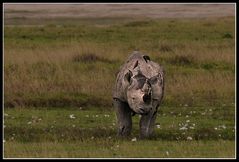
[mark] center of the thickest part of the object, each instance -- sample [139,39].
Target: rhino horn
[136,64]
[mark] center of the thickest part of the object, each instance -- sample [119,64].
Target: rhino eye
[128,76]
[153,80]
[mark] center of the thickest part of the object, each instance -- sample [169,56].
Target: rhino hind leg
[147,123]
[124,118]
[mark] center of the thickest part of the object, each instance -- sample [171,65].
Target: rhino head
[139,91]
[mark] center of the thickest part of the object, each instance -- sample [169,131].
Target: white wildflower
[188,121]
[96,116]
[158,125]
[72,116]
[167,153]
[223,126]
[134,139]
[5,114]
[183,128]
[189,138]
[29,122]
[92,137]
[87,116]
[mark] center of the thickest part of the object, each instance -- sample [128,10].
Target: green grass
[55,68]
[200,122]
[33,132]
[122,149]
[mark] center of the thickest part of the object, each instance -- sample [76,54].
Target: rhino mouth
[142,111]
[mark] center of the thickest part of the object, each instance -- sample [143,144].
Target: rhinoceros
[139,89]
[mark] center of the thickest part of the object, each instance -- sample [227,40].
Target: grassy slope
[47,76]
[43,65]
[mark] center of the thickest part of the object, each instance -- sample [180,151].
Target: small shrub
[165,48]
[11,69]
[137,23]
[43,69]
[89,58]
[227,36]
[181,60]
[209,66]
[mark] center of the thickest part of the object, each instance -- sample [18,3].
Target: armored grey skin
[139,89]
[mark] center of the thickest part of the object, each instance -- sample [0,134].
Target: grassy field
[41,132]
[59,75]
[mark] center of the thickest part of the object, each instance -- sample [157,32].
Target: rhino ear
[128,76]
[146,58]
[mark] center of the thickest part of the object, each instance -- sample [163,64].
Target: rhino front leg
[124,118]
[147,123]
